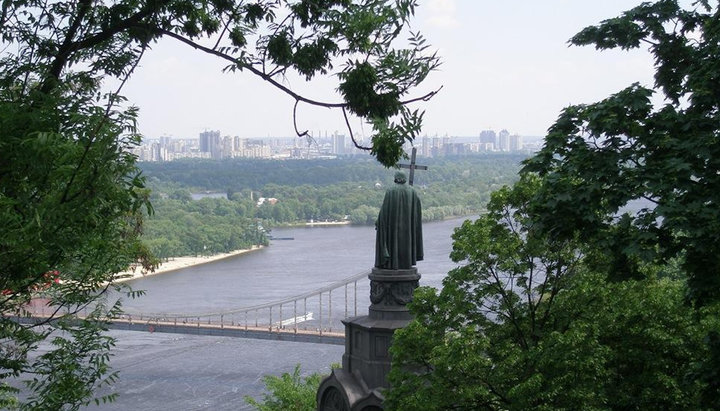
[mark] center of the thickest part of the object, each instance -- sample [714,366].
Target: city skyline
[503,64]
[211,144]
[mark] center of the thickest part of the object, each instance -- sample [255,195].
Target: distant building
[488,139]
[263,200]
[503,140]
[338,144]
[516,142]
[210,143]
[227,147]
[425,147]
[435,144]
[455,149]
[484,147]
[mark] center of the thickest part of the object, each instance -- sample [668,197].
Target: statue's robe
[398,243]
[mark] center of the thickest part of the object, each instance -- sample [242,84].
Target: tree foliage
[529,322]
[203,227]
[71,198]
[289,392]
[305,190]
[634,323]
[601,156]
[240,174]
[71,203]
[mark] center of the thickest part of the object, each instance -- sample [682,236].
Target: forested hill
[234,175]
[319,190]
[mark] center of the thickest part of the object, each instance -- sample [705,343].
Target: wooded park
[343,190]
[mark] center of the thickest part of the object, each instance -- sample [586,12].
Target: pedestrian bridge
[315,316]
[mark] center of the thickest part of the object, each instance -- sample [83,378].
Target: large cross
[412,166]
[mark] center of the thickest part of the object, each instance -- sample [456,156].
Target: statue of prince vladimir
[398,242]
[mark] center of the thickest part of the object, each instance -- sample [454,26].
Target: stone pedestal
[359,383]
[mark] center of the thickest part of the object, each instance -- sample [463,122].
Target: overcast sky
[506,64]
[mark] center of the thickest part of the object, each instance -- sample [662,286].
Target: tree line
[335,190]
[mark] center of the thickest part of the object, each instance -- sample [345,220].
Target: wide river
[181,371]
[317,257]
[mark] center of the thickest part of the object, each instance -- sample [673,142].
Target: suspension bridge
[315,316]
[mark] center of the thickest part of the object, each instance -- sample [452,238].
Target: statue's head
[400,177]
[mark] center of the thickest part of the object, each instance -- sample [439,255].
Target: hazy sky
[506,64]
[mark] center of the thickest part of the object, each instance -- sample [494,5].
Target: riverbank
[299,224]
[330,223]
[179,263]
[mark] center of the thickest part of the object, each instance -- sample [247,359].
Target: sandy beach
[319,223]
[178,263]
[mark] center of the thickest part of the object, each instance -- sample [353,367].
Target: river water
[160,371]
[317,257]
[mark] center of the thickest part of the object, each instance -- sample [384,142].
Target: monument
[358,385]
[398,240]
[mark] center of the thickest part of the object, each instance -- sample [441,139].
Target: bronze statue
[398,243]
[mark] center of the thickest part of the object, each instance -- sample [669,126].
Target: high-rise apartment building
[338,144]
[238,143]
[227,147]
[503,140]
[210,143]
[488,139]
[425,147]
[516,142]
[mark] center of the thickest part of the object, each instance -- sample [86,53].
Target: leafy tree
[364,215]
[619,331]
[599,157]
[528,322]
[71,196]
[182,195]
[70,202]
[289,392]
[329,189]
[295,176]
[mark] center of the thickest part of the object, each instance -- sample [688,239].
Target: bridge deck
[263,333]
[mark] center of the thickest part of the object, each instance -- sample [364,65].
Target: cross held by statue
[412,166]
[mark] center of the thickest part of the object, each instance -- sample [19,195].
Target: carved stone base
[390,291]
[359,383]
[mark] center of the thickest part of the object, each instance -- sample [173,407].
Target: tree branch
[299,134]
[69,47]
[269,79]
[111,101]
[510,309]
[352,137]
[66,47]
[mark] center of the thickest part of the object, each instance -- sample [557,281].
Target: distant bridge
[307,317]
